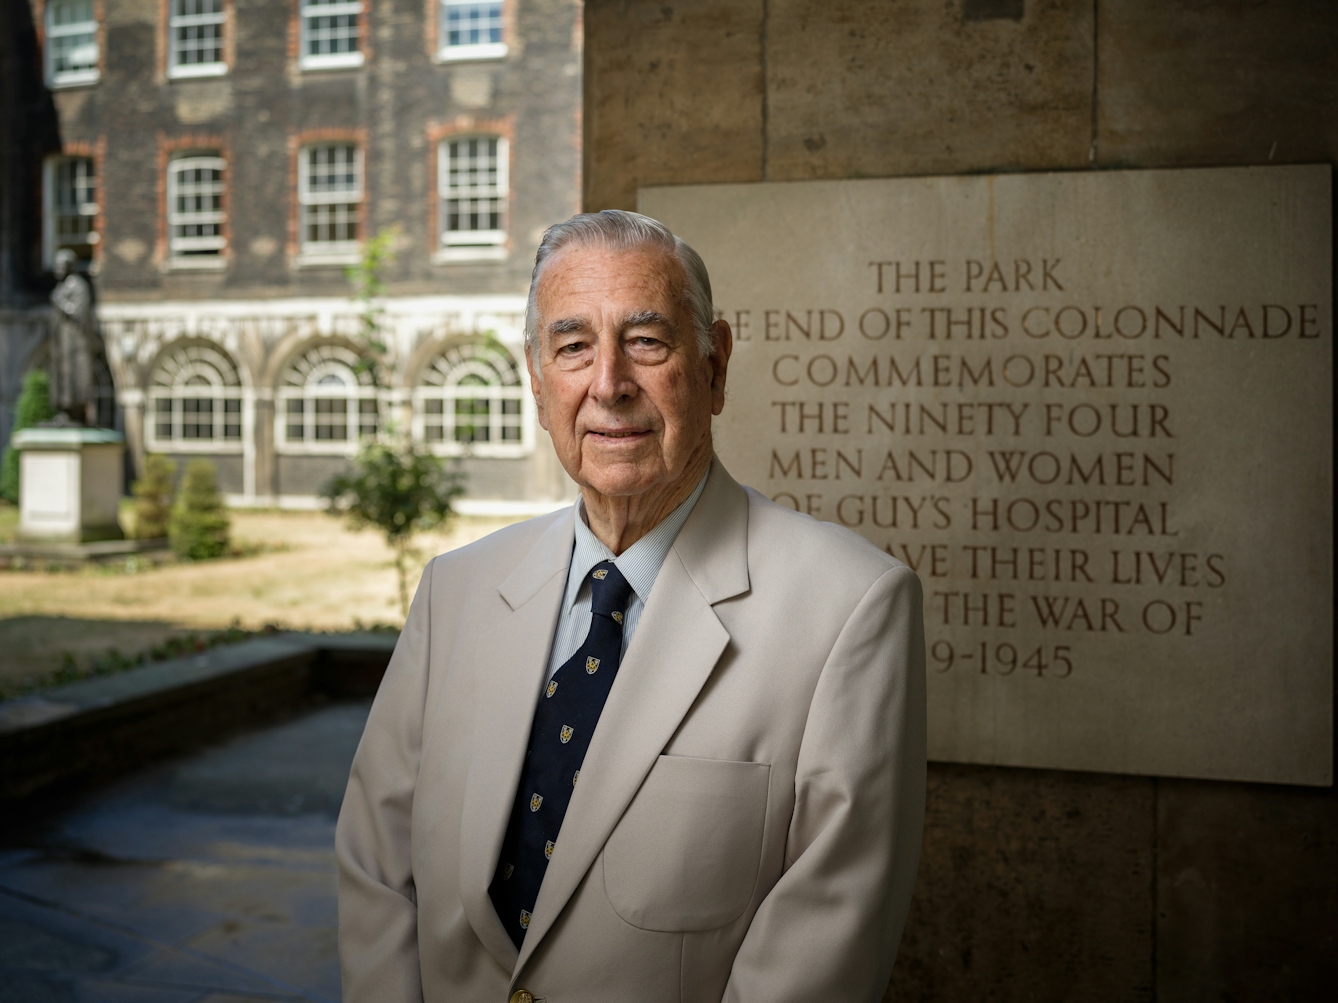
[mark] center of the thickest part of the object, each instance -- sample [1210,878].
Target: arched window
[195,401]
[471,399]
[327,401]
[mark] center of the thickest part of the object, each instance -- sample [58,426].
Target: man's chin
[622,477]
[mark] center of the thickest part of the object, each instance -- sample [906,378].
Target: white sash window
[329,191]
[330,33]
[195,39]
[328,400]
[71,43]
[195,402]
[470,29]
[472,399]
[70,204]
[195,215]
[472,188]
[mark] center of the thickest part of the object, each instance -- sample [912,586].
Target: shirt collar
[641,562]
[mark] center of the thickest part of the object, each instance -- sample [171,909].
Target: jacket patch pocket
[685,854]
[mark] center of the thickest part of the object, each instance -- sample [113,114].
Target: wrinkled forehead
[594,279]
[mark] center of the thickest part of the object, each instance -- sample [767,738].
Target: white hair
[619,230]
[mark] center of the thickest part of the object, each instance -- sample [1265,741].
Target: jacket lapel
[517,649]
[676,646]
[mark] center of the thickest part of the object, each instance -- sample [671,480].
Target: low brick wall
[96,729]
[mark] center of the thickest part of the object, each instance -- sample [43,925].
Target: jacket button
[522,996]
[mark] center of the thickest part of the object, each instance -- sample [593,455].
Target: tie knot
[609,590]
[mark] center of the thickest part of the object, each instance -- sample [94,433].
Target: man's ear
[719,362]
[537,389]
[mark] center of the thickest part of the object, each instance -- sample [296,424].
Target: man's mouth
[625,433]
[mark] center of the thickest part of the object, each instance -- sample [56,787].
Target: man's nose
[613,379]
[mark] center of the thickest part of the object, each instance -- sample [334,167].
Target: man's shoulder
[782,537]
[501,550]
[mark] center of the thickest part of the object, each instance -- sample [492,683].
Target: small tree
[154,494]
[32,407]
[399,488]
[369,286]
[198,529]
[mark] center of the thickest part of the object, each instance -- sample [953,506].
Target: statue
[74,347]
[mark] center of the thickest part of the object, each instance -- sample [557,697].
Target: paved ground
[208,879]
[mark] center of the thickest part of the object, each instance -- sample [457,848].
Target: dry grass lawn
[311,573]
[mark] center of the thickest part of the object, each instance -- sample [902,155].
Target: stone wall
[1034,884]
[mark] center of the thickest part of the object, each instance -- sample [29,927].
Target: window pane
[368,416]
[195,206]
[511,421]
[330,34]
[197,32]
[468,23]
[472,191]
[73,202]
[232,419]
[332,169]
[162,413]
[295,430]
[471,419]
[326,224]
[72,40]
[197,418]
[331,419]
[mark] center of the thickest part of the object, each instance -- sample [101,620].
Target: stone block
[861,88]
[1033,885]
[1093,410]
[673,95]
[1233,82]
[70,484]
[1247,892]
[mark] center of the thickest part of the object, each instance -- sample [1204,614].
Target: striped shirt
[640,564]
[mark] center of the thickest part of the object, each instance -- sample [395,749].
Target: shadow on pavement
[210,878]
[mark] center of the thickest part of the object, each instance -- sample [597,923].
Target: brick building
[222,162]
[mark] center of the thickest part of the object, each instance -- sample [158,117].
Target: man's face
[620,384]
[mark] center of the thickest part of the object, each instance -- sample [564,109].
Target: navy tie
[564,722]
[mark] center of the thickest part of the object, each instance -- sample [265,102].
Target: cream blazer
[748,821]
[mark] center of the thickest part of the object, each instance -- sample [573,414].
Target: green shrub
[399,488]
[154,494]
[198,529]
[32,407]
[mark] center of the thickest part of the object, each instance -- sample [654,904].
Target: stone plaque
[1092,410]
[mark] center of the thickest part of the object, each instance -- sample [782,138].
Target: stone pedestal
[70,484]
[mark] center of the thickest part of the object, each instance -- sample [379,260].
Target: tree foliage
[369,286]
[399,488]
[32,408]
[198,529]
[154,494]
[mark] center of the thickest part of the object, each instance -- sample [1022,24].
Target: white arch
[470,398]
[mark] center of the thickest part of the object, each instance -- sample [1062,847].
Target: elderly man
[666,745]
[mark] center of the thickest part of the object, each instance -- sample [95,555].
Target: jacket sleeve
[378,912]
[829,928]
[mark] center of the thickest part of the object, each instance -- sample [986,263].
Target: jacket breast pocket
[686,853]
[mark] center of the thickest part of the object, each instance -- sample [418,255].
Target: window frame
[329,252]
[308,9]
[51,213]
[494,248]
[180,71]
[175,258]
[224,388]
[439,381]
[448,53]
[311,365]
[70,78]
